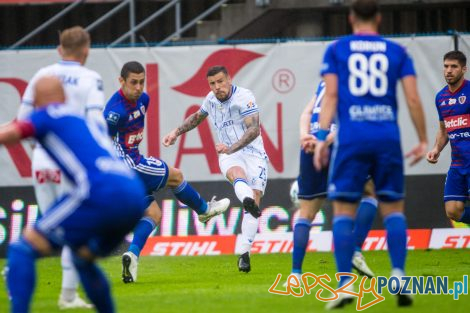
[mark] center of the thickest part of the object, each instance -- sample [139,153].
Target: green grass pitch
[212,284]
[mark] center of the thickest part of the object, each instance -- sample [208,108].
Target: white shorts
[48,180]
[256,168]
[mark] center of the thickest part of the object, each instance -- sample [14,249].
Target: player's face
[221,85]
[133,85]
[453,71]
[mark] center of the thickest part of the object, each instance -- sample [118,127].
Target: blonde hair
[73,39]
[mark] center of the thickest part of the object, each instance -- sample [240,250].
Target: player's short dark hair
[131,67]
[365,9]
[213,70]
[456,55]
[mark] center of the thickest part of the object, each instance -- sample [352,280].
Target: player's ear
[60,51]
[464,69]
[121,80]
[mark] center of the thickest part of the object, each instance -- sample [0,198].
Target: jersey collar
[234,88]
[458,89]
[73,63]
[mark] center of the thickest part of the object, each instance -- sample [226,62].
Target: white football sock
[249,230]
[242,190]
[70,276]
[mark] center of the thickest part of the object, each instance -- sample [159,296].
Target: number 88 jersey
[368,68]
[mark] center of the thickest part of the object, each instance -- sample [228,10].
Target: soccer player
[92,217]
[453,103]
[84,93]
[234,114]
[312,192]
[125,116]
[361,72]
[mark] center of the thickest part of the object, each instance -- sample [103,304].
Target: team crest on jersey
[142,109]
[462,99]
[452,101]
[250,105]
[113,117]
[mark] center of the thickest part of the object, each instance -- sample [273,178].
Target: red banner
[191,245]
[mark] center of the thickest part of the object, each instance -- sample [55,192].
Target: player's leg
[389,180]
[455,194]
[49,184]
[365,216]
[146,225]
[312,192]
[185,193]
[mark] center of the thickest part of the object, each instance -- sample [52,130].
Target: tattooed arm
[253,131]
[189,123]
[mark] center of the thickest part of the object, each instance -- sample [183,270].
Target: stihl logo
[185,248]
[272,246]
[454,242]
[456,122]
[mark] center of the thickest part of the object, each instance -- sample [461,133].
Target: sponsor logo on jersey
[462,99]
[134,138]
[378,112]
[47,176]
[456,122]
[113,117]
[452,101]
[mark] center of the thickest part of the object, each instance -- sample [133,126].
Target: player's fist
[432,156]
[170,138]
[221,148]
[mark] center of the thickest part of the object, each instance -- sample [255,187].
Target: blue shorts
[312,184]
[457,184]
[350,165]
[99,220]
[154,174]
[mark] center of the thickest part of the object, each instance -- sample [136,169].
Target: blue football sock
[301,236]
[465,218]
[95,284]
[186,194]
[21,276]
[141,232]
[343,239]
[364,218]
[395,224]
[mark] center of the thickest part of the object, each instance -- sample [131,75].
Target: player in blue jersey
[311,193]
[125,116]
[361,73]
[93,217]
[453,106]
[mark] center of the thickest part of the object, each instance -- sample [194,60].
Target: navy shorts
[154,174]
[457,185]
[98,218]
[312,184]
[350,165]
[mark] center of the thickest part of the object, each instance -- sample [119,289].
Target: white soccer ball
[294,193]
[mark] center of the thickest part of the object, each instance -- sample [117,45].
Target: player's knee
[175,178]
[154,212]
[453,213]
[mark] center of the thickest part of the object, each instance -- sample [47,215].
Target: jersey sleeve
[114,118]
[436,102]
[407,67]
[95,99]
[329,65]
[204,109]
[248,105]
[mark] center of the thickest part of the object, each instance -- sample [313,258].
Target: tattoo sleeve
[191,122]
[253,131]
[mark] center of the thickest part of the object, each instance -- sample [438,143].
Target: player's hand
[307,143]
[417,153]
[170,138]
[320,157]
[221,148]
[433,156]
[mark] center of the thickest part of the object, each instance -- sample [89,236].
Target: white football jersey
[83,88]
[227,118]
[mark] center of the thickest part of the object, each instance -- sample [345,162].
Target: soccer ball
[294,193]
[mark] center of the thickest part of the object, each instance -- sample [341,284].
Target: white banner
[282,77]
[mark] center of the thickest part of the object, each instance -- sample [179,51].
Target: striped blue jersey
[81,149]
[368,68]
[454,110]
[228,116]
[126,121]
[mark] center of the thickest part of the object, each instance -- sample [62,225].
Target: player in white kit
[84,92]
[242,159]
